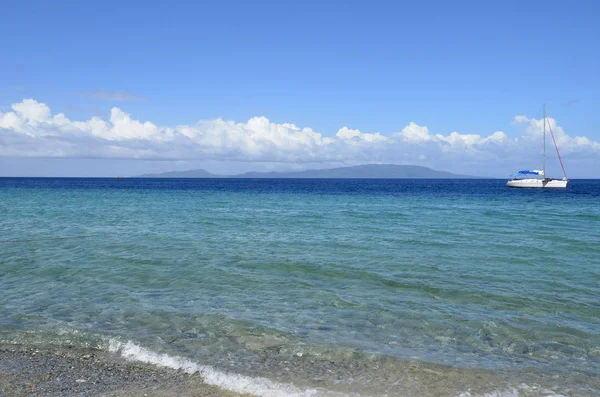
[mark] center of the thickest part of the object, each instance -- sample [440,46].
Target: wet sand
[26,371]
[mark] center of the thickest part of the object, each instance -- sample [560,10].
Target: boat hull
[537,183]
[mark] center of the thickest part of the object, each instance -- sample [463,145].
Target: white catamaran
[522,179]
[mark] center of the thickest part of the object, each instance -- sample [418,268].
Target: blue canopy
[531,172]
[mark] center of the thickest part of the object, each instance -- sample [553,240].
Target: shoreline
[67,370]
[72,371]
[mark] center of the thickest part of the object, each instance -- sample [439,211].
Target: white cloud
[30,130]
[415,133]
[535,129]
[10,121]
[348,134]
[32,110]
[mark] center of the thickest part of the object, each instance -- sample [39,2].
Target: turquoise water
[330,285]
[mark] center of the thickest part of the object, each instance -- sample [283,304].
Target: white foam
[232,382]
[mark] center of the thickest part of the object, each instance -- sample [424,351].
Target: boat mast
[555,147]
[545,141]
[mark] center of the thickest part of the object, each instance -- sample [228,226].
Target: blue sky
[465,66]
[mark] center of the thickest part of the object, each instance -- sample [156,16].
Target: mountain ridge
[366,171]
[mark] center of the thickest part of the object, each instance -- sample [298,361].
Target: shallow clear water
[336,284]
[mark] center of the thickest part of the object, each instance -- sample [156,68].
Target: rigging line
[556,147]
[42,239]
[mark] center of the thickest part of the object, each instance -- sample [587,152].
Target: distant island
[368,171]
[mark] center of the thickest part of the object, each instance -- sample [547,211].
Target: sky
[129,87]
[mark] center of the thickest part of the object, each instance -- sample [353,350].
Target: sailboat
[524,178]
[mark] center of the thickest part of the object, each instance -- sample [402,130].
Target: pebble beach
[64,371]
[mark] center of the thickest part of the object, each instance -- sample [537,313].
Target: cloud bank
[31,130]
